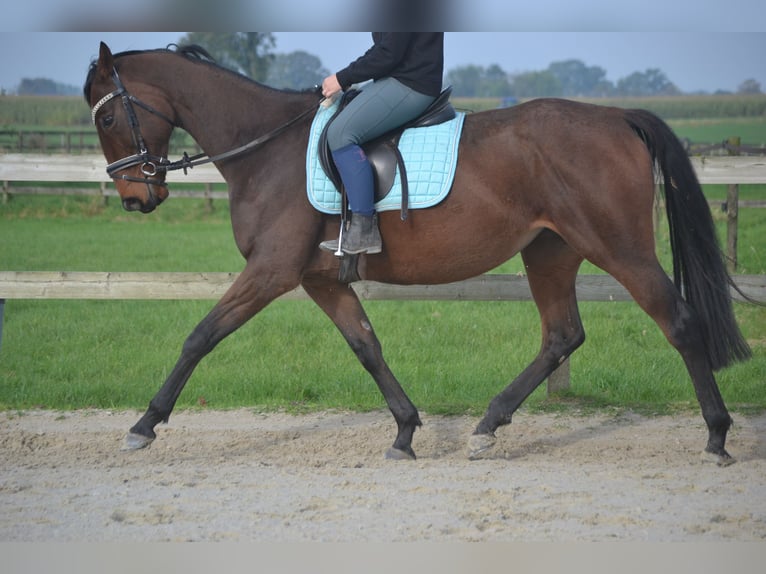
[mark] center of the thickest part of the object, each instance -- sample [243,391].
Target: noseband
[150,164]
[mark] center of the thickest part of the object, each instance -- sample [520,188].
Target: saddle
[383,152]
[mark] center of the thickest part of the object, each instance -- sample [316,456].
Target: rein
[150,164]
[187,162]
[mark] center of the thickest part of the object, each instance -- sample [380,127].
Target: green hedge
[667,107]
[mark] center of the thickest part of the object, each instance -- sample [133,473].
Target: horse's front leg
[244,299]
[342,305]
[551,267]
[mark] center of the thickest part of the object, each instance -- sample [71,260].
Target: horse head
[134,122]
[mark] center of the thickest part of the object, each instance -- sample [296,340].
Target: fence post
[104,196]
[732,213]
[559,379]
[2,312]
[6,193]
[208,198]
[732,218]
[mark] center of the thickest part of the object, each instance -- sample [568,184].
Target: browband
[101,102]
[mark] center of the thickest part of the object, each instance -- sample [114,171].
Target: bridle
[151,164]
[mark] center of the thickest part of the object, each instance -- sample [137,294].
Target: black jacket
[416,59]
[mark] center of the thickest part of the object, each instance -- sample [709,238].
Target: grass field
[451,357]
[751,131]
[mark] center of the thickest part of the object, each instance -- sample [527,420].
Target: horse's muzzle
[135,204]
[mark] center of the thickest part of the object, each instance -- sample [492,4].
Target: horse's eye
[107,121]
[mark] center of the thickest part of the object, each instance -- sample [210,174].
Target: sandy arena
[245,476]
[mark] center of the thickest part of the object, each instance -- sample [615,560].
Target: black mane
[193,52]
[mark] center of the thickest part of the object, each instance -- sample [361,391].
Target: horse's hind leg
[653,290]
[551,269]
[623,245]
[342,305]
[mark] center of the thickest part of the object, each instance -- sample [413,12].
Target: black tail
[699,268]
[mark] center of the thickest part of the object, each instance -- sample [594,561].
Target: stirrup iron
[339,252]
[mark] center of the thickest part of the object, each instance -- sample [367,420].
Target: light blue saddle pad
[430,157]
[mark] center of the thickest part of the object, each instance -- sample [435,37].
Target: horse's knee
[558,345]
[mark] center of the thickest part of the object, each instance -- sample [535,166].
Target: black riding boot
[362,236]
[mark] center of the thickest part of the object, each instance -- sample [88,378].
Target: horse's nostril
[131,204]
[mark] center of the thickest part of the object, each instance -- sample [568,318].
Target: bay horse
[557,181]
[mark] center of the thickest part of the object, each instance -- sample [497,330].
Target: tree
[296,70]
[536,85]
[603,89]
[478,82]
[577,79]
[750,86]
[45,87]
[37,87]
[465,80]
[652,82]
[494,83]
[248,53]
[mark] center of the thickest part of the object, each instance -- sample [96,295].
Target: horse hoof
[398,454]
[134,441]
[478,443]
[720,459]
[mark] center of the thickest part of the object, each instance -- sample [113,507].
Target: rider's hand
[330,86]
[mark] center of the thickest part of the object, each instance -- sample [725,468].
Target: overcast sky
[693,61]
[700,46]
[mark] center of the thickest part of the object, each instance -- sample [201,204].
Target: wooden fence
[491,287]
[730,146]
[22,174]
[63,141]
[25,167]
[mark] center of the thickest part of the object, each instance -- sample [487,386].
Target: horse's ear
[105,60]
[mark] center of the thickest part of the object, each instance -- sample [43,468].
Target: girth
[383,152]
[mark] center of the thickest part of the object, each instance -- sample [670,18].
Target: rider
[407,70]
